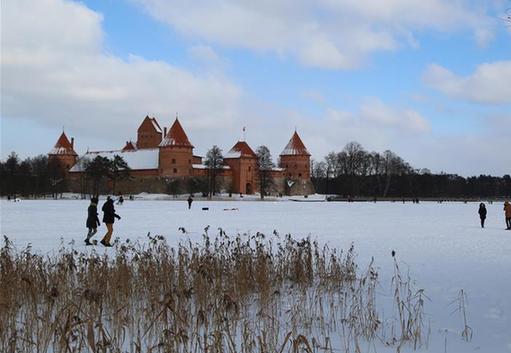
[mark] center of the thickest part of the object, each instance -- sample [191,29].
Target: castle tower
[129,146]
[295,159]
[243,162]
[63,155]
[149,134]
[176,153]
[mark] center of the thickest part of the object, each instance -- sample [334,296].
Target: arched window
[175,171]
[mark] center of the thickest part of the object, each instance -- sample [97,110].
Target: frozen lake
[442,245]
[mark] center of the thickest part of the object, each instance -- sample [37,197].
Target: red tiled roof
[240,149]
[129,146]
[63,146]
[295,147]
[149,125]
[176,136]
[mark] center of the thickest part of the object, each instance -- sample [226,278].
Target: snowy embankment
[442,245]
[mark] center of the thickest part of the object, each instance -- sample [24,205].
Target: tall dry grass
[238,294]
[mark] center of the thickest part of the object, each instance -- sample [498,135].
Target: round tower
[63,155]
[176,153]
[295,159]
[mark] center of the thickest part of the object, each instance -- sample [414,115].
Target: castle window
[189,161]
[287,165]
[175,171]
[173,161]
[249,168]
[300,175]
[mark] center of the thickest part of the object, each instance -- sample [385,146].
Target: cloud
[56,71]
[490,82]
[332,34]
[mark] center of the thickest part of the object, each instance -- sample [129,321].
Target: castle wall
[148,139]
[175,161]
[297,167]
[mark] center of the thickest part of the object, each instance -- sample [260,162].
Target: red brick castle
[160,158]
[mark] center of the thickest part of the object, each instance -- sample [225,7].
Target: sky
[427,79]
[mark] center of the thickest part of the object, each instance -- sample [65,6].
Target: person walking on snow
[482,213]
[507,212]
[190,200]
[109,216]
[92,220]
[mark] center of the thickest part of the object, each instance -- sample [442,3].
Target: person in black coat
[482,213]
[109,217]
[190,200]
[92,220]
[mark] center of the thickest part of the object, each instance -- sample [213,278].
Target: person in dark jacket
[507,214]
[190,200]
[482,213]
[109,217]
[92,220]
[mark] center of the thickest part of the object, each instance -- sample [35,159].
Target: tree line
[352,172]
[356,172]
[39,176]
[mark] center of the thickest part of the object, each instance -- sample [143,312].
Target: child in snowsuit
[109,216]
[482,213]
[92,220]
[507,212]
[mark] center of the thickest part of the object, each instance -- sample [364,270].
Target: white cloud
[333,34]
[55,71]
[490,82]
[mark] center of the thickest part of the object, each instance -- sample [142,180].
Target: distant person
[507,212]
[190,201]
[92,220]
[482,213]
[109,216]
[120,200]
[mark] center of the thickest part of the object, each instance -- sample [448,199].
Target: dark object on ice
[393,253]
[482,213]
[120,200]
[190,200]
[205,208]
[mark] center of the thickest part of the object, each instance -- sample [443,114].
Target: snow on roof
[203,166]
[295,147]
[156,125]
[176,136]
[137,160]
[63,146]
[240,149]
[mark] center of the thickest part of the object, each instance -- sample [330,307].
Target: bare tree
[264,166]
[214,161]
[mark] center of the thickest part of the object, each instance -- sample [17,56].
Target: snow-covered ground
[442,245]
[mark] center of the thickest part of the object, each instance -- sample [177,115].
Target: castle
[161,158]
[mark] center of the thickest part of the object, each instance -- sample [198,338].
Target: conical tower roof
[240,149]
[149,124]
[176,136]
[63,146]
[295,147]
[130,146]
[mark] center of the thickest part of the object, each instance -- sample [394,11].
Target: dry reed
[244,294]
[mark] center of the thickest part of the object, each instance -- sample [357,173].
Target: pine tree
[264,166]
